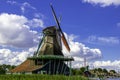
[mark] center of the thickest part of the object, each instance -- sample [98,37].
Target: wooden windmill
[51,41]
[48,58]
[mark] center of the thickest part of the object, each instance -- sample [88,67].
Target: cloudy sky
[92,28]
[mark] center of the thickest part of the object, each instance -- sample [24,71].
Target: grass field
[40,77]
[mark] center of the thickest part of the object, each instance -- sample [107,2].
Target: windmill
[49,58]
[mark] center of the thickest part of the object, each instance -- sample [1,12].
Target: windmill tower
[49,58]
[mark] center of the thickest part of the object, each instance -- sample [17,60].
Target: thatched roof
[26,66]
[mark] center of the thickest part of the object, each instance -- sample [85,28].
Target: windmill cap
[50,30]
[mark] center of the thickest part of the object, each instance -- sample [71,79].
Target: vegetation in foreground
[40,77]
[77,74]
[4,68]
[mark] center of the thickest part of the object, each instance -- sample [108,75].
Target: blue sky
[92,28]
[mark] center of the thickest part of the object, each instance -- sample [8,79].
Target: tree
[4,68]
[73,71]
[95,70]
[112,71]
[99,70]
[82,69]
[105,71]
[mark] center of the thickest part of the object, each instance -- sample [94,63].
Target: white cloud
[77,64]
[15,30]
[118,24]
[11,2]
[79,50]
[112,40]
[26,5]
[14,57]
[36,23]
[23,6]
[107,64]
[27,8]
[103,40]
[39,15]
[103,3]
[6,51]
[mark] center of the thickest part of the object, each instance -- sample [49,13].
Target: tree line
[94,72]
[4,68]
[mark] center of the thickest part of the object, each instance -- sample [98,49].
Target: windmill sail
[58,24]
[65,42]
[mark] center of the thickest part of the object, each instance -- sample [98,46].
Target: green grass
[40,77]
